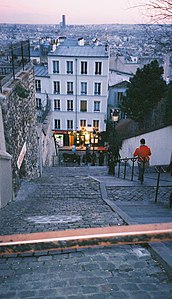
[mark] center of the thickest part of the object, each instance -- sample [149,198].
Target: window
[98,68]
[69,87]
[84,67]
[97,88]
[119,97]
[83,106]
[97,106]
[56,67]
[82,123]
[69,67]
[38,103]
[56,104]
[69,105]
[96,124]
[38,85]
[69,124]
[56,87]
[84,88]
[57,124]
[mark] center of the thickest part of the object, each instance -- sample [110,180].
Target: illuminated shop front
[61,137]
[79,138]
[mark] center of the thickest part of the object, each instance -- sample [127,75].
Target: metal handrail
[159,170]
[125,160]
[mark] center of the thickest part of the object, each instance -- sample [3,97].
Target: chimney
[106,47]
[96,42]
[81,42]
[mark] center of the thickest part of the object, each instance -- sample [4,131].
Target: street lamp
[114,116]
[114,113]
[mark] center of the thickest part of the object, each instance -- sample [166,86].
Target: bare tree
[160,10]
[157,10]
[159,13]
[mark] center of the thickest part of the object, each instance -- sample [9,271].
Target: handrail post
[119,165]
[161,169]
[125,164]
[132,171]
[12,61]
[157,186]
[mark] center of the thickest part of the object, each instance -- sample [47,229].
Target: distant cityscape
[136,40]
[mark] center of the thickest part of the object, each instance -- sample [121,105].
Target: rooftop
[41,70]
[71,48]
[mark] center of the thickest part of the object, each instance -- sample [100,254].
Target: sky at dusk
[77,11]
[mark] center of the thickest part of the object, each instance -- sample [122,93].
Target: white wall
[160,142]
[48,146]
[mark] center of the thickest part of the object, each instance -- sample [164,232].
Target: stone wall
[6,190]
[18,109]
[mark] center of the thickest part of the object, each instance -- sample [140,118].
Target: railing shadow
[131,162]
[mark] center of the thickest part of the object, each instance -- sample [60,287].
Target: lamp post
[94,134]
[114,117]
[114,113]
[94,155]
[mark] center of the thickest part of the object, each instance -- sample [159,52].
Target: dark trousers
[141,172]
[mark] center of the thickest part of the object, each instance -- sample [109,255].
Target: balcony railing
[17,57]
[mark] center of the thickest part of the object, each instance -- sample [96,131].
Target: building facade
[76,82]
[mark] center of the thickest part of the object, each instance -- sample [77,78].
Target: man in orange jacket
[143,154]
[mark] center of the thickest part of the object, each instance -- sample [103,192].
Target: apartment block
[76,83]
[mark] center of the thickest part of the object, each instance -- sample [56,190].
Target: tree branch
[156,10]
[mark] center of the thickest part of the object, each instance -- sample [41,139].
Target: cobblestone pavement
[59,200]
[67,198]
[119,272]
[124,194]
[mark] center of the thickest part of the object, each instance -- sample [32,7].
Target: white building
[76,82]
[167,68]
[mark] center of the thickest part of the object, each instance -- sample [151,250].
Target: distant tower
[63,22]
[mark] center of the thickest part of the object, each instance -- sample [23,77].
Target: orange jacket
[142,152]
